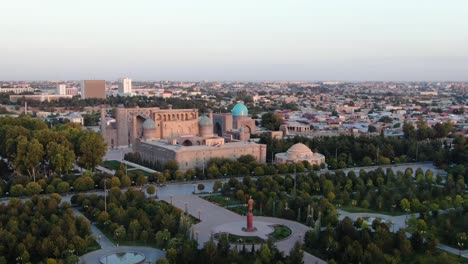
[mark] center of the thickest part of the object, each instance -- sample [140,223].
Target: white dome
[299,150]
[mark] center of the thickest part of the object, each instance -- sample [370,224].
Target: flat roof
[180,148]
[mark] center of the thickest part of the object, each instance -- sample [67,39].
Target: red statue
[250,227]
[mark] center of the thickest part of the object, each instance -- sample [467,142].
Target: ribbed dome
[204,121]
[240,110]
[299,148]
[149,123]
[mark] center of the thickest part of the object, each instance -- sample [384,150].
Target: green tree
[217,185]
[60,157]
[272,121]
[32,188]
[296,256]
[151,190]
[92,149]
[28,156]
[405,205]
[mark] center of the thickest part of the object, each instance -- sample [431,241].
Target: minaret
[103,121]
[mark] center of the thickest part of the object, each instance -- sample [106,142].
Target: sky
[244,40]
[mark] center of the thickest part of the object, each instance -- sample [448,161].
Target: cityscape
[228,152]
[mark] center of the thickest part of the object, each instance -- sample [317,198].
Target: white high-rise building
[61,89]
[125,86]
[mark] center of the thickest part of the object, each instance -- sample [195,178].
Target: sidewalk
[102,240]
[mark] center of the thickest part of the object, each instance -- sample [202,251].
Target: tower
[125,86]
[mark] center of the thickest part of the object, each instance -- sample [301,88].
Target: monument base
[245,229]
[249,227]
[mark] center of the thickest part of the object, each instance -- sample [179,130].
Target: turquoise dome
[204,121]
[149,123]
[240,110]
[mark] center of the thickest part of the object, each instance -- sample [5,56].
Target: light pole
[171,199]
[105,195]
[199,218]
[193,188]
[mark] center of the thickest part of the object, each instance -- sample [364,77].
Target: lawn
[354,209]
[135,171]
[447,226]
[113,164]
[240,239]
[425,258]
[281,232]
[223,201]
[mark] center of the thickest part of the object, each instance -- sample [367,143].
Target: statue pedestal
[250,227]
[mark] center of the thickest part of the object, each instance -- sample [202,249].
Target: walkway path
[138,166]
[212,215]
[102,240]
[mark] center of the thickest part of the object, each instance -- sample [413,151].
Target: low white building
[298,153]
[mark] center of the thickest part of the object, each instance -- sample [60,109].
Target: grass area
[446,257]
[281,232]
[222,201]
[93,247]
[113,164]
[135,171]
[240,239]
[354,209]
[447,226]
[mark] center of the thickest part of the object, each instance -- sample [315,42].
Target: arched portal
[218,130]
[187,143]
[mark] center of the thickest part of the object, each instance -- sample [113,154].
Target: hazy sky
[234,40]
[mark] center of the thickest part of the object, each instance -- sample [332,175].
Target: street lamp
[199,218]
[227,201]
[194,188]
[461,237]
[171,199]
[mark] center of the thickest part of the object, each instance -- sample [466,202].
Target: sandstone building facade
[161,135]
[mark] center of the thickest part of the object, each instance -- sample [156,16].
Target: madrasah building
[161,135]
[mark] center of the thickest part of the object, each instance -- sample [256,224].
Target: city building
[61,89]
[16,90]
[38,97]
[125,86]
[298,153]
[73,91]
[93,89]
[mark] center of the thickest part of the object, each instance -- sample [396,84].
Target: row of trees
[220,167]
[130,216]
[293,197]
[359,243]
[40,229]
[32,149]
[348,151]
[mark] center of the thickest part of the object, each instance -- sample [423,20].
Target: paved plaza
[213,216]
